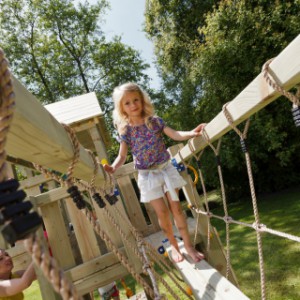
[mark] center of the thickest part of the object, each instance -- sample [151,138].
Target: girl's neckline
[140,123]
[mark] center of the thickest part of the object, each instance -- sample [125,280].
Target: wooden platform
[205,281]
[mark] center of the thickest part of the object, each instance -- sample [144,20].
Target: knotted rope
[243,136]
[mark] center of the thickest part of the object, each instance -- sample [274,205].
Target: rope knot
[146,266]
[209,214]
[259,227]
[227,219]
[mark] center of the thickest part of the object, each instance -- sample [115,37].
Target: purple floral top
[147,145]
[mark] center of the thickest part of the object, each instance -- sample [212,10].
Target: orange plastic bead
[189,291]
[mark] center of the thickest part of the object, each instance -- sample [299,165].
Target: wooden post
[31,186]
[97,140]
[84,233]
[58,235]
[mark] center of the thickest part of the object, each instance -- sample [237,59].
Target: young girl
[141,131]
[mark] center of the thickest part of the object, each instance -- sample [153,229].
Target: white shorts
[154,183]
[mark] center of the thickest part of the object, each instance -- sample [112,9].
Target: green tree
[235,38]
[57,49]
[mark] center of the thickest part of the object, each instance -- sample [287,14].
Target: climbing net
[256,225]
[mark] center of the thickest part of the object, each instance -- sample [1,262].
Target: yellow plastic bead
[104,161]
[166,254]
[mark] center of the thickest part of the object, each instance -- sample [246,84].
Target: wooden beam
[97,272]
[33,181]
[36,136]
[253,98]
[206,282]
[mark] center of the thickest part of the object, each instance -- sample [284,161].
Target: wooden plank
[98,142]
[127,169]
[33,181]
[97,272]
[206,282]
[20,256]
[57,235]
[253,98]
[52,196]
[36,136]
[84,232]
[76,109]
[132,204]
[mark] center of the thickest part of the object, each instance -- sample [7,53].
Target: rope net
[256,225]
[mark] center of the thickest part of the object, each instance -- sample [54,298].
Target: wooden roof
[78,112]
[76,109]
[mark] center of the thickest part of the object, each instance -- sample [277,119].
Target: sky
[125,19]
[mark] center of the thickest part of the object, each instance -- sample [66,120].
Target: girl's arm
[119,161]
[10,287]
[183,135]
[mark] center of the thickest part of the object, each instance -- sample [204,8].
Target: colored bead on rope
[22,222]
[180,167]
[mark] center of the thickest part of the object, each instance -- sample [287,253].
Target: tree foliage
[57,49]
[212,58]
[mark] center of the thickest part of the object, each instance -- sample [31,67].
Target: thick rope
[271,80]
[60,283]
[253,195]
[216,151]
[197,158]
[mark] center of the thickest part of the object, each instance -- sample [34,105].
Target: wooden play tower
[37,136]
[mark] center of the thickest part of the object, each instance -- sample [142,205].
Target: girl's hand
[198,130]
[109,169]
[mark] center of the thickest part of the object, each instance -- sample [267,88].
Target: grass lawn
[279,211]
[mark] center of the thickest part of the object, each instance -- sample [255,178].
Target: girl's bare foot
[176,255]
[194,254]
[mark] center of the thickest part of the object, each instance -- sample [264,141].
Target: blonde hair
[120,119]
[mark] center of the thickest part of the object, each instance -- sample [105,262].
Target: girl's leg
[165,223]
[181,224]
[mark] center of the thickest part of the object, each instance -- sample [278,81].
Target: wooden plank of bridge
[285,67]
[205,281]
[36,136]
